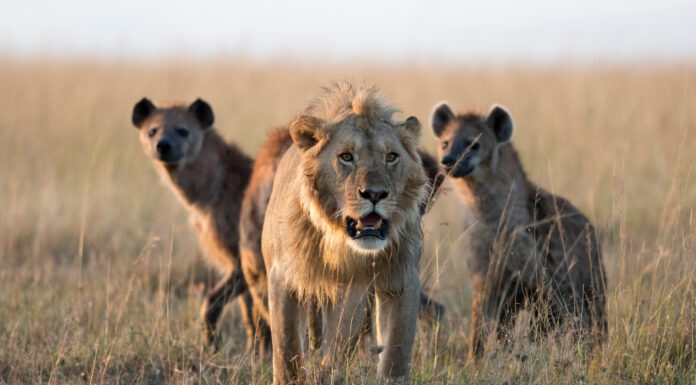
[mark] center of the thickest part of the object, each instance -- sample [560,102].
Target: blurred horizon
[499,32]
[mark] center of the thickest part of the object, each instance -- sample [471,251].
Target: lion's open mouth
[371,225]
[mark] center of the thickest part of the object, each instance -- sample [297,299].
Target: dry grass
[101,279]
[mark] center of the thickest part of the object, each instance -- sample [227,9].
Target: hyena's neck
[220,171]
[498,189]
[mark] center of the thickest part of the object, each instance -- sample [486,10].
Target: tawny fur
[256,197]
[209,179]
[529,247]
[307,252]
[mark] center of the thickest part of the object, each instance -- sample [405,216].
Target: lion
[256,197]
[209,176]
[530,248]
[344,216]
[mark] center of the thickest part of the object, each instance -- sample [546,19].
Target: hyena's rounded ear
[306,131]
[203,113]
[441,116]
[142,111]
[500,121]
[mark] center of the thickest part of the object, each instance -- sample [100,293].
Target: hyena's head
[468,141]
[172,134]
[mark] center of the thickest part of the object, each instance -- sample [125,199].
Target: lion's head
[363,179]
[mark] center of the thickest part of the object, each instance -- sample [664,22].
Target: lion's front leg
[287,320]
[397,313]
[343,324]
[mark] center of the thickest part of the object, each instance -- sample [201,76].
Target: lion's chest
[325,275]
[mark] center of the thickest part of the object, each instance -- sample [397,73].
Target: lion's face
[364,175]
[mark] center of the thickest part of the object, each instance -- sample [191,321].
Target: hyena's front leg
[478,335]
[287,326]
[232,285]
[397,313]
[484,314]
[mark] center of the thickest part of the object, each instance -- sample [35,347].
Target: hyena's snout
[168,151]
[448,161]
[164,148]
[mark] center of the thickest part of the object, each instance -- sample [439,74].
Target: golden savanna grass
[101,279]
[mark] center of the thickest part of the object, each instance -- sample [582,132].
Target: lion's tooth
[378,224]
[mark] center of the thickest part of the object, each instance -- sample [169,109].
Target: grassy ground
[101,278]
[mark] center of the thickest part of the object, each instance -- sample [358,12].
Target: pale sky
[508,30]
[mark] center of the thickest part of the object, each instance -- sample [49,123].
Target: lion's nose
[373,196]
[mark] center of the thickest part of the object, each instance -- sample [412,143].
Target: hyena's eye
[182,132]
[445,144]
[475,146]
[152,132]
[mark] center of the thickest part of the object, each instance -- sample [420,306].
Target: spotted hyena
[209,176]
[530,248]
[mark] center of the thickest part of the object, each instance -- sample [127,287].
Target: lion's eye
[152,132]
[182,132]
[346,157]
[392,157]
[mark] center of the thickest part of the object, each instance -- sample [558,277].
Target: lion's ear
[440,118]
[500,121]
[413,126]
[306,131]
